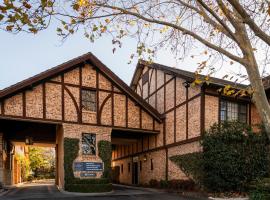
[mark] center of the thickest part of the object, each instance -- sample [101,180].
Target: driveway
[48,190]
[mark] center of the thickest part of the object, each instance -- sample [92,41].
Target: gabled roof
[189,76]
[69,65]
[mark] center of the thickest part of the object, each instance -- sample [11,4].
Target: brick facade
[161,116]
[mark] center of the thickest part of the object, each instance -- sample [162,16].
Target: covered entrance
[129,154]
[17,138]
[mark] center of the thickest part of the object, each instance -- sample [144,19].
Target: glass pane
[232,112]
[223,105]
[222,115]
[242,118]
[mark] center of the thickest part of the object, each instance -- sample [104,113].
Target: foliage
[260,189]
[228,31]
[233,156]
[71,149]
[25,166]
[42,161]
[191,164]
[105,153]
[72,184]
[85,188]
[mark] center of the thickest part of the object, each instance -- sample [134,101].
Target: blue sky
[24,55]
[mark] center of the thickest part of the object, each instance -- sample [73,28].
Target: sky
[24,55]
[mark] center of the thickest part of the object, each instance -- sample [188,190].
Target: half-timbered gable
[81,91]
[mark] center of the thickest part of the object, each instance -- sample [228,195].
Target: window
[122,168]
[145,77]
[89,100]
[140,165]
[152,165]
[128,167]
[233,111]
[88,144]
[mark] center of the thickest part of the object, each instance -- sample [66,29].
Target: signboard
[88,166]
[85,174]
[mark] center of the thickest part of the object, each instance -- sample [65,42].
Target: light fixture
[28,140]
[144,158]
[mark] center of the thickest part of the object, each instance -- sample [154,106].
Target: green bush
[233,156]
[105,153]
[71,149]
[91,181]
[191,164]
[86,188]
[260,189]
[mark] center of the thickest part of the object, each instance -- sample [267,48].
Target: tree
[237,31]
[41,159]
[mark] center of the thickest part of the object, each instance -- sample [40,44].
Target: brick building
[158,116]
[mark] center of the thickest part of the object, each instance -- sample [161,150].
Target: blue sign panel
[85,174]
[88,166]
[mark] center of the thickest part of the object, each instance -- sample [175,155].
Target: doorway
[135,174]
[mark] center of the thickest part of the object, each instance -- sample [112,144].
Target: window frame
[84,109]
[225,111]
[145,77]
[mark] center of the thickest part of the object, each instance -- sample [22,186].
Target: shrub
[191,164]
[233,156]
[181,184]
[260,189]
[154,183]
[105,153]
[86,188]
[164,184]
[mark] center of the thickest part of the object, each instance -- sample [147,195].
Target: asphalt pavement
[47,190]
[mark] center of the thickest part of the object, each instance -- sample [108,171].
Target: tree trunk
[259,96]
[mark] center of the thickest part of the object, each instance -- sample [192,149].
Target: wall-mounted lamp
[144,158]
[186,84]
[29,141]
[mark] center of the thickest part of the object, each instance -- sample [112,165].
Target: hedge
[233,156]
[105,153]
[191,165]
[260,189]
[88,188]
[73,184]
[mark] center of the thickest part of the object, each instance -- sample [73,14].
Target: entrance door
[135,173]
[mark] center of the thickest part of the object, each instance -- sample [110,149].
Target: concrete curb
[85,194]
[141,188]
[113,192]
[239,198]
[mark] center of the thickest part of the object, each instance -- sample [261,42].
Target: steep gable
[55,95]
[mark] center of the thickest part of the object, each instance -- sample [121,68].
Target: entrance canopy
[18,132]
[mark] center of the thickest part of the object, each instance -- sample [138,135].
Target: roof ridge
[188,74]
[43,72]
